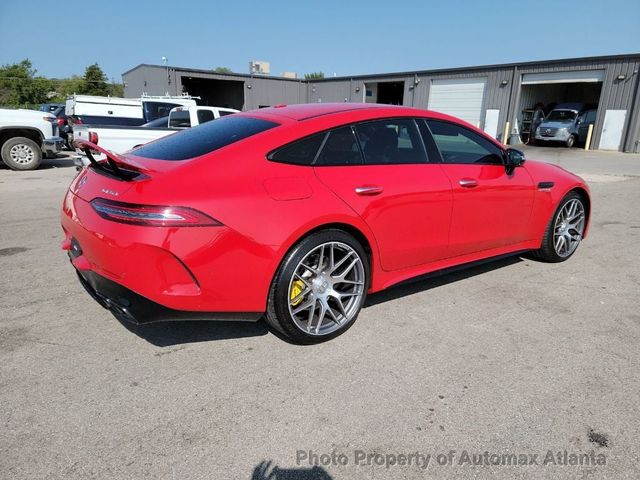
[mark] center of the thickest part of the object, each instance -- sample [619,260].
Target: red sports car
[295,213]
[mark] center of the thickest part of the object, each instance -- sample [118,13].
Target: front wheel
[571,141]
[20,153]
[320,288]
[564,231]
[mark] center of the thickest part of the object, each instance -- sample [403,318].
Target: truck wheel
[570,142]
[20,153]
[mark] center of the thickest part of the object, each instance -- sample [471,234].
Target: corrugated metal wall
[503,91]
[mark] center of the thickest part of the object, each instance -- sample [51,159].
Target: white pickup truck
[120,139]
[25,135]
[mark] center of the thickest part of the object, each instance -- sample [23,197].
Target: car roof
[305,111]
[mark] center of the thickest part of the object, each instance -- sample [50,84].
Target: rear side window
[153,110]
[223,113]
[387,142]
[205,116]
[340,148]
[179,119]
[204,138]
[301,152]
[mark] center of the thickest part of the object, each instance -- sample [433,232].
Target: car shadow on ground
[266,470]
[61,161]
[165,334]
[438,279]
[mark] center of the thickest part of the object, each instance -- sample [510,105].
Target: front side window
[204,138]
[393,141]
[460,145]
[340,148]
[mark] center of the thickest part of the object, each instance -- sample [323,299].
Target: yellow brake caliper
[296,289]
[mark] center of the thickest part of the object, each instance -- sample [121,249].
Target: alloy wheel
[326,288]
[22,154]
[568,228]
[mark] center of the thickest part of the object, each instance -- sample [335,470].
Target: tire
[570,142]
[340,288]
[559,227]
[20,153]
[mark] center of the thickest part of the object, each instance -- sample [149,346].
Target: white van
[96,110]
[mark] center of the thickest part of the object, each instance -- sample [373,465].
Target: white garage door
[460,97]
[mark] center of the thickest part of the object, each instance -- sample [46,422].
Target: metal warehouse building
[486,96]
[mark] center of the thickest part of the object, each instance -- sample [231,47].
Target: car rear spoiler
[112,159]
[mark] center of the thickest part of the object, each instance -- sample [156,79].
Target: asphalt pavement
[444,378]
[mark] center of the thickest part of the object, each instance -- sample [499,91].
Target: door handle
[369,190]
[468,183]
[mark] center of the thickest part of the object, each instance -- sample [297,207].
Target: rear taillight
[60,121]
[152,215]
[93,137]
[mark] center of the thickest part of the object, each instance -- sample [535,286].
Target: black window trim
[352,125]
[502,150]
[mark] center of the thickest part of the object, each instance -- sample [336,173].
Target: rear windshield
[204,138]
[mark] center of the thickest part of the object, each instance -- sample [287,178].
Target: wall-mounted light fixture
[249,87]
[504,83]
[357,89]
[621,77]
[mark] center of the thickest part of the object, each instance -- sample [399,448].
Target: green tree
[313,76]
[116,89]
[19,85]
[222,70]
[69,86]
[94,81]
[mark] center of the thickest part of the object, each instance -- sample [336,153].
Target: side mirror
[514,158]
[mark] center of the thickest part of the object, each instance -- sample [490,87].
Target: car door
[380,169]
[491,206]
[586,119]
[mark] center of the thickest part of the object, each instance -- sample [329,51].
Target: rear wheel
[20,153]
[320,288]
[565,230]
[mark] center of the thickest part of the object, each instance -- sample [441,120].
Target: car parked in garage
[567,124]
[296,212]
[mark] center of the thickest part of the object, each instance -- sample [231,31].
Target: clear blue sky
[345,37]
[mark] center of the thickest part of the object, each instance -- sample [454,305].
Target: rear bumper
[196,270]
[128,305]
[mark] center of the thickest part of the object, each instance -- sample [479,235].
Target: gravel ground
[512,357]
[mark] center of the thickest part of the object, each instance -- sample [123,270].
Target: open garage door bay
[461,98]
[543,91]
